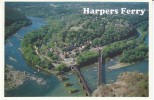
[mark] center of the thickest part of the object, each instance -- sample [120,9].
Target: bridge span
[82,80]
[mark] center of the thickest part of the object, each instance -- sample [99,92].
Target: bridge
[82,80]
[101,71]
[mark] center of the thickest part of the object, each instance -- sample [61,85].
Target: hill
[14,20]
[128,84]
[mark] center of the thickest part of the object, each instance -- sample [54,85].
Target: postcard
[77,49]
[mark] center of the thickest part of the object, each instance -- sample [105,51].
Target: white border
[79,0]
[151,40]
[2,49]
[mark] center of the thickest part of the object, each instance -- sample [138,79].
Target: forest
[72,35]
[14,20]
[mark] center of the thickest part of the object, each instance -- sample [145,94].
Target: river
[53,86]
[31,88]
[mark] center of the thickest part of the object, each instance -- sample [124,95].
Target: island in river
[75,39]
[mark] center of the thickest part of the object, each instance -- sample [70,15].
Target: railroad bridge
[101,75]
[82,80]
[101,71]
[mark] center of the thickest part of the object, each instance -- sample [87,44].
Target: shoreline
[15,31]
[15,78]
[119,65]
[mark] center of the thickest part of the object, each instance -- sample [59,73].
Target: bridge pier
[101,71]
[83,87]
[86,94]
[80,80]
[77,74]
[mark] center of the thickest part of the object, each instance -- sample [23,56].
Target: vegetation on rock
[128,84]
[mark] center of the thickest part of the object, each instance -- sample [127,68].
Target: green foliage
[143,86]
[52,56]
[68,30]
[30,55]
[143,30]
[136,54]
[113,28]
[117,48]
[138,84]
[14,20]
[114,31]
[87,57]
[61,67]
[28,50]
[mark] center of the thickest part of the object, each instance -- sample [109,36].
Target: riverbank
[14,78]
[118,65]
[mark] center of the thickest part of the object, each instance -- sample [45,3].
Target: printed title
[123,11]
